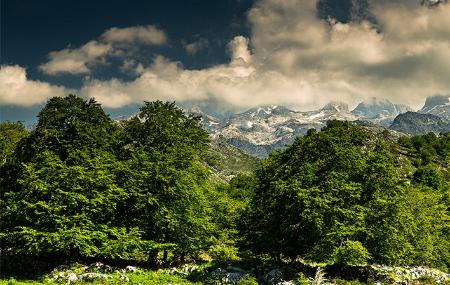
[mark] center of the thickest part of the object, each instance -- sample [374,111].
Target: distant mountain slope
[266,128]
[375,107]
[208,122]
[380,111]
[263,129]
[438,105]
[413,123]
[225,161]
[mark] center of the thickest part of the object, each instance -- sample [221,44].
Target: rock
[71,277]
[413,123]
[187,268]
[93,276]
[97,265]
[236,269]
[130,268]
[407,274]
[274,276]
[227,277]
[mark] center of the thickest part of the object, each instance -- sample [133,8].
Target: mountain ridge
[262,129]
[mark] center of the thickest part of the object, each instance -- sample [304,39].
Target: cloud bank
[195,46]
[111,43]
[149,35]
[76,61]
[295,58]
[17,89]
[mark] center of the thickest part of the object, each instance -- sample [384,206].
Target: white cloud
[148,35]
[239,49]
[132,67]
[298,60]
[196,46]
[75,61]
[113,42]
[405,62]
[17,89]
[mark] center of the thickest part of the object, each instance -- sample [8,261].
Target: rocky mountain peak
[379,107]
[438,105]
[413,123]
[336,107]
[435,101]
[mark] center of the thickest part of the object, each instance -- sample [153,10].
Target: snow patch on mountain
[264,128]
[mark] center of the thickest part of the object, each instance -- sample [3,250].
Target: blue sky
[225,55]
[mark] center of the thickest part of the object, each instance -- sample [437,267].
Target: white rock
[130,268]
[71,277]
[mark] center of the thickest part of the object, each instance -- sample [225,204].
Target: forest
[80,188]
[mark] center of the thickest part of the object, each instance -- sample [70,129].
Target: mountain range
[262,129]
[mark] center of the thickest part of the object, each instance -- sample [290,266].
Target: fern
[319,278]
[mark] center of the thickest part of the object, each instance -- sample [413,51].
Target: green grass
[146,277]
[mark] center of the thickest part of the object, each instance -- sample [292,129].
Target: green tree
[60,195]
[166,183]
[68,124]
[10,135]
[339,195]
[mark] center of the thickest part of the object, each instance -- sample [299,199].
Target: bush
[352,253]
[247,280]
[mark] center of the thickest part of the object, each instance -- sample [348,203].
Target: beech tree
[339,195]
[166,183]
[62,197]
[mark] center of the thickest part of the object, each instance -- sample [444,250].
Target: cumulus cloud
[295,58]
[75,61]
[238,48]
[17,89]
[301,60]
[112,42]
[148,35]
[405,60]
[195,46]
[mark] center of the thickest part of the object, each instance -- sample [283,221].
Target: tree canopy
[340,195]
[80,185]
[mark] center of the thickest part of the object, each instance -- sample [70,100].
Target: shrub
[352,253]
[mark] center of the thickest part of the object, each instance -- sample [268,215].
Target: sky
[223,55]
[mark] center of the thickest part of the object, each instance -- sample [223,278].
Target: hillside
[226,161]
[412,123]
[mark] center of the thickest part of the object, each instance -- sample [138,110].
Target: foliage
[247,280]
[352,253]
[319,277]
[302,279]
[344,186]
[166,185]
[82,186]
[11,133]
[61,194]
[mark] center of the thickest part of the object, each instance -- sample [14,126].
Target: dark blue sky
[30,29]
